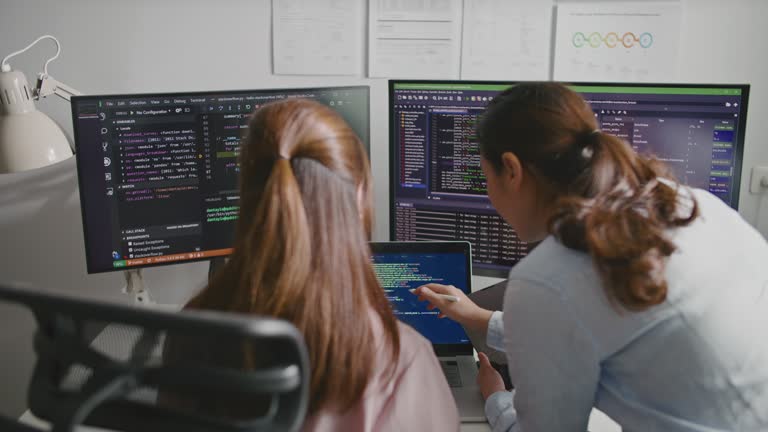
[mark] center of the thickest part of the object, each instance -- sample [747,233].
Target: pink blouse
[415,398]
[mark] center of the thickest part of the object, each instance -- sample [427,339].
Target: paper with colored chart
[627,42]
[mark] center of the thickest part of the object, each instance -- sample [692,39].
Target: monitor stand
[216,264]
[134,286]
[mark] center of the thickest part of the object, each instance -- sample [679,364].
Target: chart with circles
[616,42]
[612,40]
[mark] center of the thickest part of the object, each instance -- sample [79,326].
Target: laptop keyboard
[451,371]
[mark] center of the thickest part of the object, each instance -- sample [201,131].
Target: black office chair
[79,382]
[8,425]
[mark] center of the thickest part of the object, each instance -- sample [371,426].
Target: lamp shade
[28,138]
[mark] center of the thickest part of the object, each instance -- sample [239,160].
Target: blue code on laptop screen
[399,272]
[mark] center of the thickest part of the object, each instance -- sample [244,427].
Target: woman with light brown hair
[301,254]
[644,298]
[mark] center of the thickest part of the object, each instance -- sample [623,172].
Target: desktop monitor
[158,173]
[438,191]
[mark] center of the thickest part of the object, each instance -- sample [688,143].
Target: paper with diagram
[627,42]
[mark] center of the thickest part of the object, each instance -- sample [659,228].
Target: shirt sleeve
[500,412]
[495,336]
[553,361]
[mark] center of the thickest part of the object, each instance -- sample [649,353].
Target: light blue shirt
[697,362]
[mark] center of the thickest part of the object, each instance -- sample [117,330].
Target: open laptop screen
[401,266]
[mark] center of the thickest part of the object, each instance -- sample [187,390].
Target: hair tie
[585,143]
[587,139]
[567,164]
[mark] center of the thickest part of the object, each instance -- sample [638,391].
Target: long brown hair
[301,246]
[609,201]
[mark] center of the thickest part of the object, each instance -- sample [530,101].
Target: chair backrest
[81,380]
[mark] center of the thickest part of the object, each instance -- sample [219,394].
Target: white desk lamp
[28,138]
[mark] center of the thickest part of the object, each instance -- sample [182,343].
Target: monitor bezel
[416,247]
[75,100]
[738,151]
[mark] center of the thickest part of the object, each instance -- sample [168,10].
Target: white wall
[722,42]
[112,46]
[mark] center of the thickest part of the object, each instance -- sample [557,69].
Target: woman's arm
[464,311]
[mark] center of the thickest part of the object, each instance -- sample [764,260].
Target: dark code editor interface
[159,173]
[439,191]
[399,272]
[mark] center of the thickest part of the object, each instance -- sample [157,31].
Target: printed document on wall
[617,42]
[318,37]
[506,39]
[414,39]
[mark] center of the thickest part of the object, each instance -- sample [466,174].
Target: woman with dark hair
[301,253]
[645,299]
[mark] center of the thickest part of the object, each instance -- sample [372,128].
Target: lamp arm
[48,85]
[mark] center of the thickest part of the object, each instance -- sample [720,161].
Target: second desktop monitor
[438,191]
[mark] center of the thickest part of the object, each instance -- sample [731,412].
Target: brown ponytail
[609,201]
[301,248]
[283,225]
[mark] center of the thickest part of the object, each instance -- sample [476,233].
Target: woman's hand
[488,379]
[463,311]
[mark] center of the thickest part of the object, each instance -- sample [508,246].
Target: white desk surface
[475,427]
[598,422]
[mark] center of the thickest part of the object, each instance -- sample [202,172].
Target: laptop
[401,266]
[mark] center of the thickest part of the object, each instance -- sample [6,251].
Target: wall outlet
[759,182]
